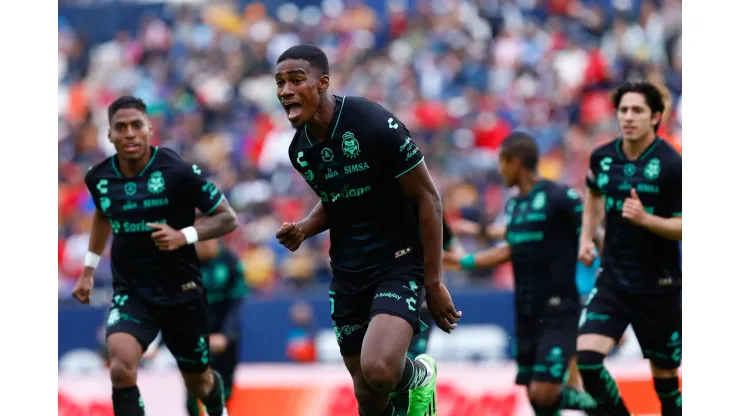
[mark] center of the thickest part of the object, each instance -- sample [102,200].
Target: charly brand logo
[391,124]
[102,186]
[327,155]
[130,188]
[538,202]
[606,163]
[155,185]
[196,170]
[652,169]
[301,163]
[357,167]
[350,145]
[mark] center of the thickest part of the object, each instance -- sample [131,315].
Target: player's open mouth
[131,148]
[628,129]
[293,111]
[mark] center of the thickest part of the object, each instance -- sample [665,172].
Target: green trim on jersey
[149,163]
[305,129]
[215,206]
[409,169]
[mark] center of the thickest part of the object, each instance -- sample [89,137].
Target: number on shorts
[331,301]
[584,311]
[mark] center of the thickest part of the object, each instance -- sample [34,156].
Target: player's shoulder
[561,190]
[371,114]
[665,151]
[606,149]
[100,169]
[169,158]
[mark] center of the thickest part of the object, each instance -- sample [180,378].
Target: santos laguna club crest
[350,145]
[156,183]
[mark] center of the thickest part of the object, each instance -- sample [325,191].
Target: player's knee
[543,394]
[663,372]
[381,374]
[122,373]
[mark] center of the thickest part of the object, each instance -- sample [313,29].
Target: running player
[147,197]
[420,342]
[385,220]
[635,181]
[542,244]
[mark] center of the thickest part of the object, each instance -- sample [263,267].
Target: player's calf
[599,383]
[208,386]
[549,398]
[125,354]
[665,382]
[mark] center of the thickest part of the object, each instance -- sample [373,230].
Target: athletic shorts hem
[144,346]
[414,326]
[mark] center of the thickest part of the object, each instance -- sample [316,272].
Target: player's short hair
[653,96]
[125,101]
[309,53]
[523,146]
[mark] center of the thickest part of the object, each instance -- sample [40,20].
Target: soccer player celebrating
[384,215]
[635,181]
[147,197]
[542,244]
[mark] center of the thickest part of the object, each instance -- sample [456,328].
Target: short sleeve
[447,236]
[592,181]
[399,152]
[674,183]
[98,188]
[570,205]
[204,194]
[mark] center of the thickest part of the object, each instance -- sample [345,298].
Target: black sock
[669,395]
[127,402]
[568,398]
[192,405]
[600,384]
[400,401]
[214,402]
[414,373]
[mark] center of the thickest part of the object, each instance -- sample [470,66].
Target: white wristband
[91,259]
[191,235]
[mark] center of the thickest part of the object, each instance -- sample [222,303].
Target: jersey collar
[114,161]
[645,152]
[334,119]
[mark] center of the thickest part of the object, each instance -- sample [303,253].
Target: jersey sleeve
[447,237]
[674,183]
[97,189]
[570,204]
[400,154]
[205,195]
[591,175]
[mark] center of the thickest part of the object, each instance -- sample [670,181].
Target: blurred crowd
[460,74]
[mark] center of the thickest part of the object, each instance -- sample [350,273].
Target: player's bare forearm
[670,228]
[598,238]
[419,186]
[221,222]
[316,222]
[100,231]
[492,257]
[593,214]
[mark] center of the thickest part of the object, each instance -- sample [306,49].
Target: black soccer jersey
[373,225]
[635,258]
[542,231]
[223,278]
[167,190]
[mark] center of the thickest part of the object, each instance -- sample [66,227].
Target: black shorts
[655,318]
[401,296]
[544,346]
[184,327]
[420,342]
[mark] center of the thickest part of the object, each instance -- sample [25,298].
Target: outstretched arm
[100,230]
[492,257]
[316,222]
